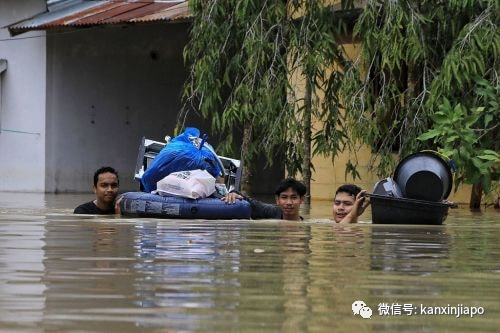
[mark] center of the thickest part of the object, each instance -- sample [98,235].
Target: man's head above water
[350,189]
[348,203]
[289,196]
[106,184]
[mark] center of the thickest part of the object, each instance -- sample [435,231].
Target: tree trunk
[247,165]
[475,196]
[307,121]
[411,84]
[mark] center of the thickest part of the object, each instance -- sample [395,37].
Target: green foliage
[313,49]
[415,55]
[474,54]
[247,58]
[238,72]
[422,63]
[468,136]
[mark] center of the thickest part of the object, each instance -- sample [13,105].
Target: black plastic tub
[389,210]
[424,176]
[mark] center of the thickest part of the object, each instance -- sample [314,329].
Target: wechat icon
[359,307]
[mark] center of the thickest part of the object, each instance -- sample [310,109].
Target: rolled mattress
[152,205]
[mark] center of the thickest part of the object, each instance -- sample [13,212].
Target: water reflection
[62,273]
[179,270]
[21,295]
[86,272]
[410,249]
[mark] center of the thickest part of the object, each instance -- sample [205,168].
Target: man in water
[289,195]
[349,203]
[106,184]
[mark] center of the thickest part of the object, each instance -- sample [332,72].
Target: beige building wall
[331,173]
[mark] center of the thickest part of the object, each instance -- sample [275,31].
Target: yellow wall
[329,175]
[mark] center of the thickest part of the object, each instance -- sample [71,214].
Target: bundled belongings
[179,177]
[193,184]
[185,152]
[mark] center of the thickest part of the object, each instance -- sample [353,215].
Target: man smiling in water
[348,203]
[289,195]
[106,189]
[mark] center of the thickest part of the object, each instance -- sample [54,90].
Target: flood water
[65,273]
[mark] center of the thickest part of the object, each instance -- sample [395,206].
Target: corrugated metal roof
[71,13]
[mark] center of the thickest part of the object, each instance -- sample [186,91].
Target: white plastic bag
[192,184]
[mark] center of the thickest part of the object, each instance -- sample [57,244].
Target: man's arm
[260,210]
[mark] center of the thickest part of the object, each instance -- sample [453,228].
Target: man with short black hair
[106,184]
[289,195]
[348,203]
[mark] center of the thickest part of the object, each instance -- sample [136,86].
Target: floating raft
[144,204]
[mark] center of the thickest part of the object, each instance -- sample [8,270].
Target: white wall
[107,87]
[22,109]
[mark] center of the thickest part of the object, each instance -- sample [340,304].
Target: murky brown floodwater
[64,273]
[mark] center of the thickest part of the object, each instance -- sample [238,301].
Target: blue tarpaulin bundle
[182,153]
